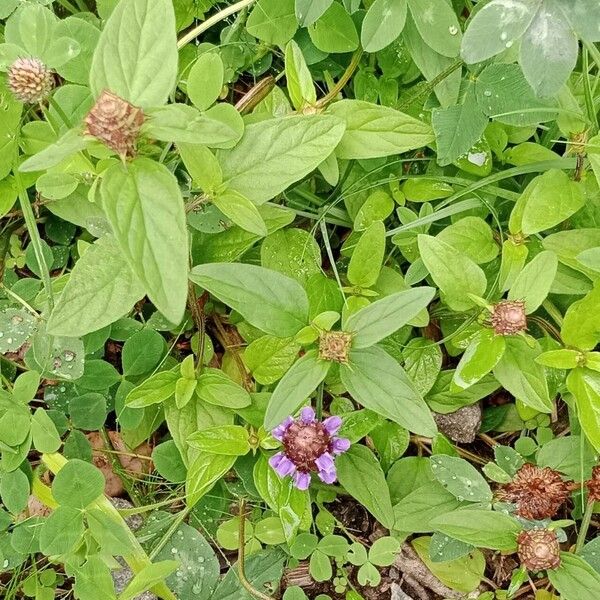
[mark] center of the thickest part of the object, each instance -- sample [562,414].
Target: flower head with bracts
[309,445]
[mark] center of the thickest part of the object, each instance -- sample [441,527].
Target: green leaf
[219,127]
[359,472]
[438,25]
[482,528]
[581,325]
[205,80]
[202,165]
[154,390]
[458,128]
[148,577]
[269,357]
[273,21]
[77,484]
[374,131]
[504,94]
[14,491]
[367,257]
[44,433]
[31,28]
[548,200]
[299,80]
[575,578]
[203,473]
[390,441]
[545,69]
[308,11]
[460,478]
[293,252]
[199,569]
[453,272]
[375,380]
[295,387]
[584,384]
[114,540]
[100,290]
[139,36]
[17,326]
[420,507]
[70,143]
[231,440]
[422,362]
[334,31]
[61,531]
[472,236]
[268,300]
[275,153]
[480,357]
[496,27]
[215,387]
[432,65]
[144,206]
[88,411]
[382,24]
[532,285]
[376,321]
[463,574]
[524,378]
[241,211]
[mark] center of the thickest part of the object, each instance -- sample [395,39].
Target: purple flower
[309,446]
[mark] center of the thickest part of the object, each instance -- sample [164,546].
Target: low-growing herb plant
[299,299]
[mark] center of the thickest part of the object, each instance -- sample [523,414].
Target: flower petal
[340,445]
[302,480]
[282,464]
[328,476]
[307,415]
[332,424]
[325,462]
[280,430]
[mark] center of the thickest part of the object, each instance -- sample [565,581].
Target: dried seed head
[508,317]
[538,549]
[335,346]
[537,492]
[593,485]
[30,80]
[115,122]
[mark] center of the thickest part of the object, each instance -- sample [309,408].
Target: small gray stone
[121,577]
[461,426]
[134,522]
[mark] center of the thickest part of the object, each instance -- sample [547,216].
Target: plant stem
[68,6]
[587,90]
[583,528]
[431,84]
[169,534]
[344,79]
[36,240]
[242,558]
[223,14]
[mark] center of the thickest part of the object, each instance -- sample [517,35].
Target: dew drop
[509,43]
[68,355]
[16,320]
[487,93]
[453,30]
[9,340]
[503,36]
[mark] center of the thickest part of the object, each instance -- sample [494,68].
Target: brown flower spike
[537,492]
[538,549]
[335,346]
[115,122]
[593,485]
[30,80]
[508,317]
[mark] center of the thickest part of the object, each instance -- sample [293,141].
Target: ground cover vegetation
[299,299]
